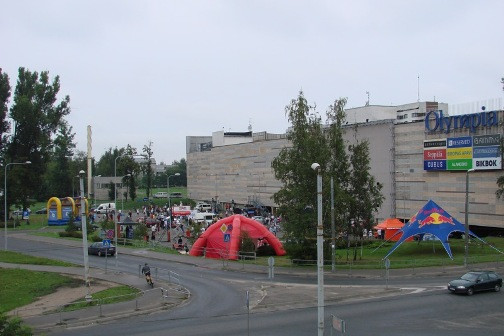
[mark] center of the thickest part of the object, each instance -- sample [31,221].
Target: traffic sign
[106,242]
[110,234]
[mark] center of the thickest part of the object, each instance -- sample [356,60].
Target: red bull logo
[436,219]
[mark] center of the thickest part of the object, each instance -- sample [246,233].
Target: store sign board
[481,152]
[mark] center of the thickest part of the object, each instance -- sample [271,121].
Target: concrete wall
[243,172]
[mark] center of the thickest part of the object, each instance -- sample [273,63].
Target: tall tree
[292,166]
[365,191]
[129,165]
[147,167]
[60,175]
[37,116]
[106,163]
[339,168]
[5,92]
[356,193]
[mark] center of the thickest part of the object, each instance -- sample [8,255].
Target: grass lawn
[107,296]
[20,287]
[19,258]
[407,255]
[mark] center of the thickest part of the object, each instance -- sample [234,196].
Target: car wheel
[497,288]
[99,253]
[470,291]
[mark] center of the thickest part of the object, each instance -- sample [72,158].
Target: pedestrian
[153,232]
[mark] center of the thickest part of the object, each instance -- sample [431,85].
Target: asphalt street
[415,303]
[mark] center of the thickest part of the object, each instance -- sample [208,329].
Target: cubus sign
[480,152]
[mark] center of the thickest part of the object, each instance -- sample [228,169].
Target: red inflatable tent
[223,238]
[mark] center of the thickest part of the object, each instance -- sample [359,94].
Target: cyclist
[146,271]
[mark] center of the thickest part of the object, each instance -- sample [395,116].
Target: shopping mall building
[418,152]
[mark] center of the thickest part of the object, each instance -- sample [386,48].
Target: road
[217,305]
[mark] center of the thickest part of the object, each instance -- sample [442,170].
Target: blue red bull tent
[434,220]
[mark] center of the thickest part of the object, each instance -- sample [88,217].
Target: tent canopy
[223,238]
[391,226]
[390,223]
[433,219]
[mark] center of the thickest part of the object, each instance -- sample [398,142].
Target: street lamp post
[169,200]
[5,196]
[333,230]
[84,235]
[320,252]
[466,225]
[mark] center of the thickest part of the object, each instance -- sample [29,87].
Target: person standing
[153,232]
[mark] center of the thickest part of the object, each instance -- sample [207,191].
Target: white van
[206,217]
[203,207]
[105,208]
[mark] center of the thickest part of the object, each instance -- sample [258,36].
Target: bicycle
[148,278]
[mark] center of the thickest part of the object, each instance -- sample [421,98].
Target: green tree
[5,92]
[339,169]
[147,168]
[37,116]
[60,171]
[106,163]
[292,166]
[356,193]
[365,191]
[176,167]
[128,165]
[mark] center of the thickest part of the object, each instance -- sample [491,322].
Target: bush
[95,239]
[73,234]
[247,243]
[265,251]
[13,327]
[140,231]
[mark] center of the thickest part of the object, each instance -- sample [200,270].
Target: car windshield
[470,276]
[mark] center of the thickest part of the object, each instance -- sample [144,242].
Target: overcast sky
[140,71]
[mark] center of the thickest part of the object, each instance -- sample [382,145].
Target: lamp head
[82,173]
[177,174]
[315,166]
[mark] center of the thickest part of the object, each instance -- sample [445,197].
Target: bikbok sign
[435,121]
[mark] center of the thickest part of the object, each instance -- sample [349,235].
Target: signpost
[338,324]
[387,267]
[106,244]
[271,268]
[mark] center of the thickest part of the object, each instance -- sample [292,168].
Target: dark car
[42,211]
[476,281]
[100,250]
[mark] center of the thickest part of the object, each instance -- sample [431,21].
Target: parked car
[42,211]
[259,219]
[476,281]
[175,195]
[100,250]
[160,194]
